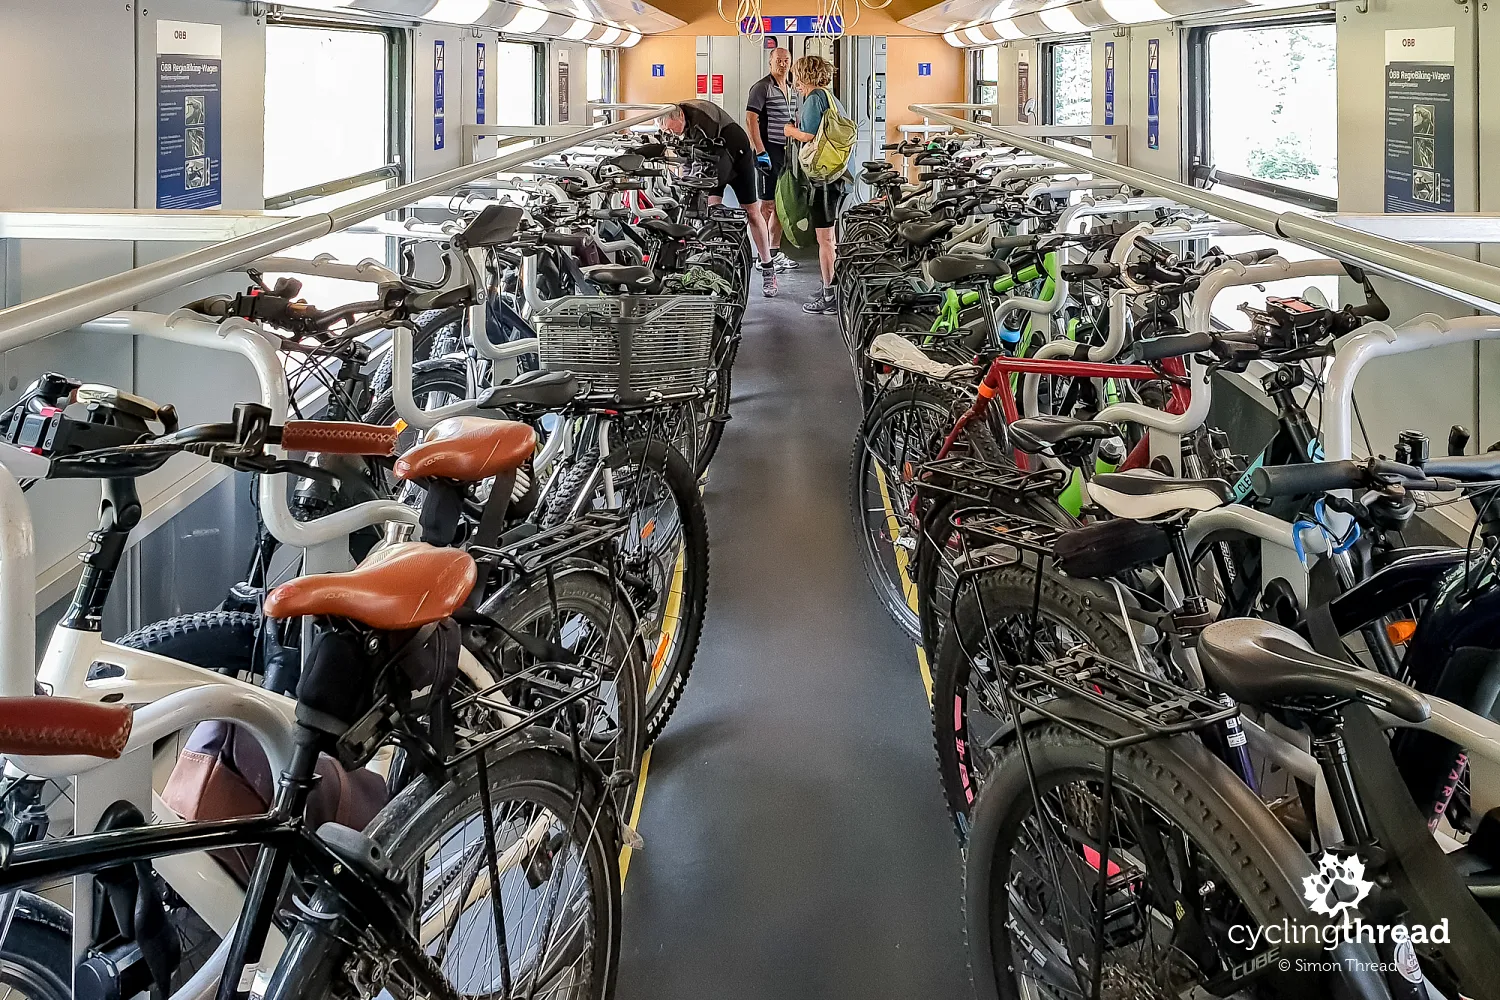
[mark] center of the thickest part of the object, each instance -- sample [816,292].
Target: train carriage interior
[616,499]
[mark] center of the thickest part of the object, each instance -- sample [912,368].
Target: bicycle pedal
[630,838]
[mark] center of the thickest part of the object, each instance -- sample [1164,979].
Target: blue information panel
[658,69]
[189,120]
[802,24]
[479,84]
[1153,93]
[1109,83]
[1419,120]
[924,69]
[437,94]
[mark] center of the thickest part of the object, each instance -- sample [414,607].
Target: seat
[1142,494]
[910,213]
[919,234]
[955,267]
[1037,434]
[540,389]
[876,165]
[727,213]
[626,277]
[699,183]
[398,587]
[1260,663]
[40,725]
[468,449]
[667,230]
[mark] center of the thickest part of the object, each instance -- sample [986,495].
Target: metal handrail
[1457,278]
[290,199]
[64,310]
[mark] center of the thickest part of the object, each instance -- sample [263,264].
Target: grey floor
[796,840]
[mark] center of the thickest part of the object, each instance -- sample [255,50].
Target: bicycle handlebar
[1174,345]
[1306,479]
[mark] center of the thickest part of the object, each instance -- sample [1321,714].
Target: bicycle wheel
[717,411]
[968,717]
[430,327]
[36,958]
[903,430]
[1191,856]
[666,551]
[555,859]
[580,611]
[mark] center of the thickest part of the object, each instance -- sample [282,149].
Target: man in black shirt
[736,167]
[772,103]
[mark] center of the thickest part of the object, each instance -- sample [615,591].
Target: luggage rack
[537,552]
[982,526]
[551,677]
[1152,707]
[966,476]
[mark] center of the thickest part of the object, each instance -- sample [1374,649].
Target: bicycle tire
[881,556]
[428,325]
[1010,590]
[583,591]
[427,809]
[446,375]
[723,390]
[223,641]
[1177,778]
[36,958]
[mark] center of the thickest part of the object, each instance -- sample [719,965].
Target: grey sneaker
[768,281]
[822,302]
[783,262]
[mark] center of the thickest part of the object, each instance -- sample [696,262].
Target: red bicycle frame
[996,382]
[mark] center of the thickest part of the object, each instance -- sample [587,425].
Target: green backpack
[826,157]
[791,205]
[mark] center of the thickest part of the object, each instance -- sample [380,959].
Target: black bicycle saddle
[625,277]
[1037,434]
[1259,662]
[955,267]
[540,389]
[919,234]
[667,230]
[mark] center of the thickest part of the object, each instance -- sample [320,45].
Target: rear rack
[968,477]
[1152,706]
[535,553]
[982,526]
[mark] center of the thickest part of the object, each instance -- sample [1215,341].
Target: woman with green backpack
[827,135]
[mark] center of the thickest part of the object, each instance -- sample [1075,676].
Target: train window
[1070,93]
[602,65]
[517,75]
[328,108]
[1263,109]
[986,80]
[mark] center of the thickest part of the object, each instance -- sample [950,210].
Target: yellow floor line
[635,815]
[908,585]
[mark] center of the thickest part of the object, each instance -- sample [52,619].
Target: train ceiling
[603,22]
[984,22]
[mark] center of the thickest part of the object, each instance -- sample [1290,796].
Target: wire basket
[629,346]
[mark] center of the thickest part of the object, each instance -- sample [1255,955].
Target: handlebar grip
[888,147]
[1013,242]
[1079,272]
[1305,479]
[1254,256]
[339,437]
[1174,345]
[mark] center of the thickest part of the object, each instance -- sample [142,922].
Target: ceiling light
[578,30]
[1008,29]
[951,37]
[1134,11]
[528,20]
[610,36]
[630,40]
[1062,20]
[458,11]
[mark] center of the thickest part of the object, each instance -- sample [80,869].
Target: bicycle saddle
[625,277]
[468,449]
[910,213]
[727,213]
[42,725]
[955,267]
[1037,434]
[667,230]
[543,390]
[1142,494]
[398,587]
[1259,662]
[699,183]
[876,165]
[919,234]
